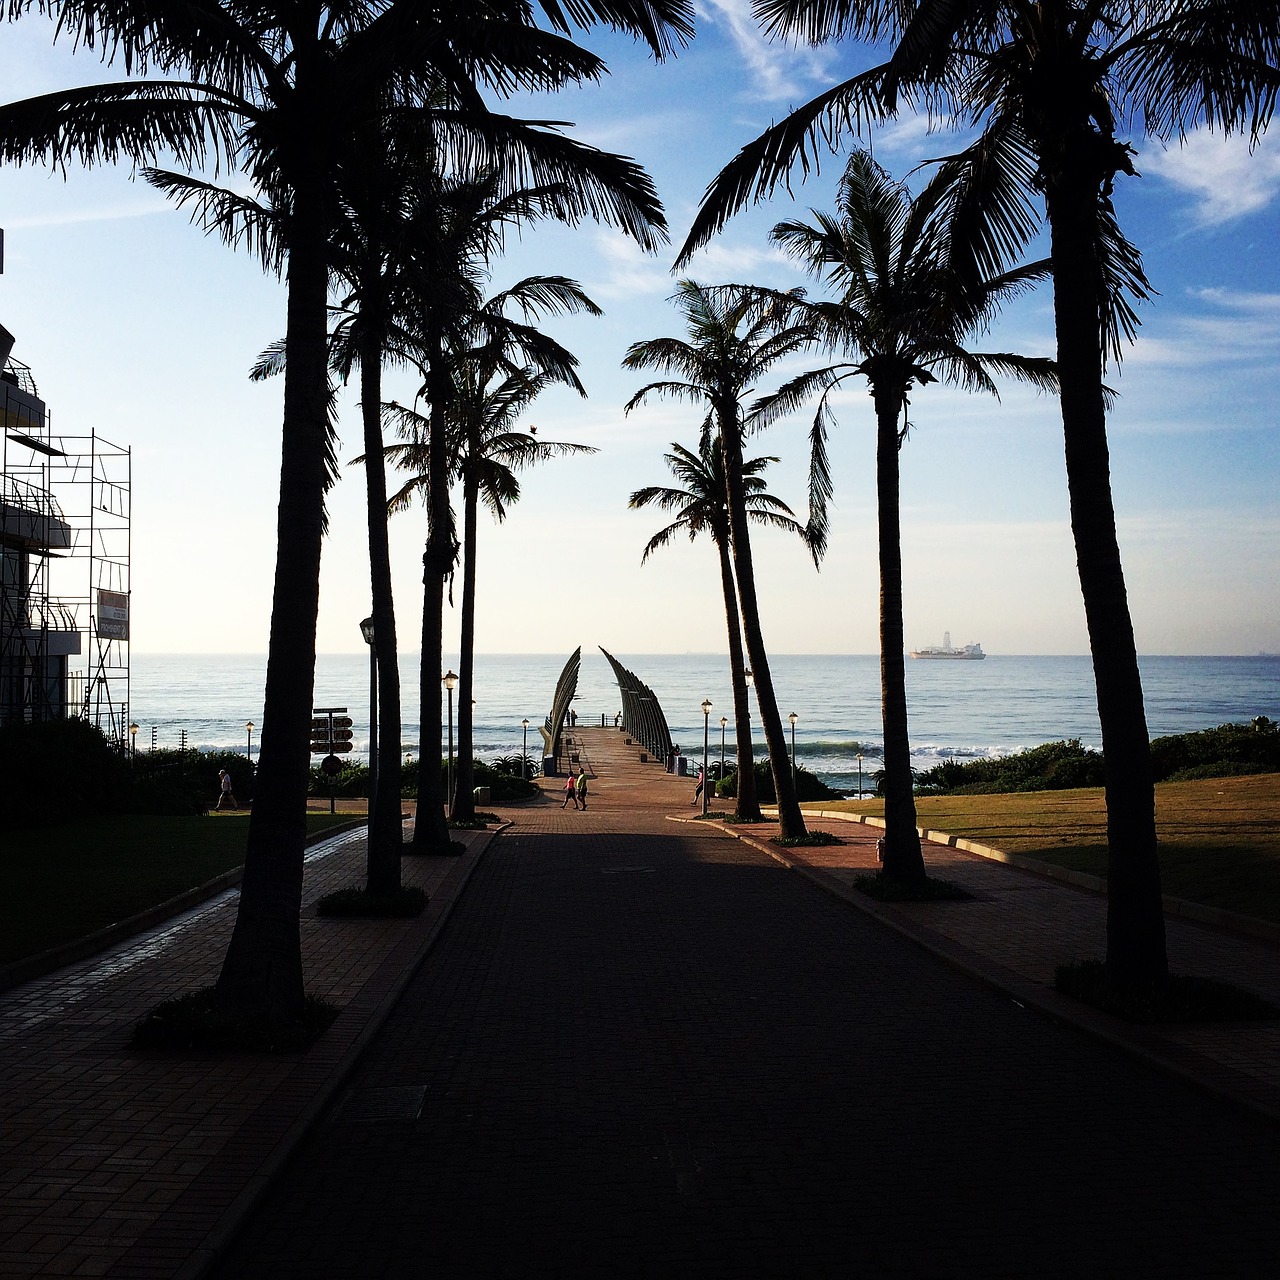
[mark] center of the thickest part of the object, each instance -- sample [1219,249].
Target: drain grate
[624,871]
[369,1106]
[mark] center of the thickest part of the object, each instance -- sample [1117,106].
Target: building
[64,590]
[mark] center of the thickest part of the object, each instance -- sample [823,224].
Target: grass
[198,1021]
[810,839]
[61,883]
[1219,837]
[408,901]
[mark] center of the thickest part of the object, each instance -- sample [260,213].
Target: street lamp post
[706,722]
[248,740]
[133,741]
[450,682]
[793,718]
[366,630]
[859,775]
[724,720]
[524,752]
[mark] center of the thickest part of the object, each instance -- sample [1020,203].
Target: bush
[57,770]
[808,786]
[200,1021]
[1055,766]
[1227,751]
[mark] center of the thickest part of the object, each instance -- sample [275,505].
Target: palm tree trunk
[431,828]
[383,861]
[747,808]
[262,970]
[1136,953]
[903,859]
[464,799]
[790,819]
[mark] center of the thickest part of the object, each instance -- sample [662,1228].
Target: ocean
[956,709]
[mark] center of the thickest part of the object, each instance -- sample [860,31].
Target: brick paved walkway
[645,1047]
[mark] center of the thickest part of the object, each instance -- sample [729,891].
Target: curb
[1144,1044]
[306,1091]
[17,972]
[1218,917]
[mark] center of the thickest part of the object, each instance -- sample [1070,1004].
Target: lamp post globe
[248,740]
[133,740]
[706,722]
[450,682]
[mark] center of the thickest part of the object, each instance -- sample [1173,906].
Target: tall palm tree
[734,339]
[488,451]
[1050,84]
[280,90]
[907,298]
[700,506]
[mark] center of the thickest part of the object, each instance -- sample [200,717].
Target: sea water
[956,709]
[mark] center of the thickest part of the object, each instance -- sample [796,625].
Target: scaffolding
[65,508]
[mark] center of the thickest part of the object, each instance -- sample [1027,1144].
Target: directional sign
[342,722]
[342,746]
[342,735]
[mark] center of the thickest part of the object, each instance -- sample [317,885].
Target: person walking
[582,787]
[225,798]
[702,782]
[571,791]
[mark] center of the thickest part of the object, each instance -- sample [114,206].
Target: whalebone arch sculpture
[642,714]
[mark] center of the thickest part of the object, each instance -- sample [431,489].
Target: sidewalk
[99,1143]
[116,1162]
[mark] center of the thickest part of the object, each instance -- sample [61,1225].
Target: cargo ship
[969,653]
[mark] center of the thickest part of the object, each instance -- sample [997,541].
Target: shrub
[1055,766]
[1226,751]
[808,786]
[56,770]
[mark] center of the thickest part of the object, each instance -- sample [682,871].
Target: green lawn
[1219,837]
[60,883]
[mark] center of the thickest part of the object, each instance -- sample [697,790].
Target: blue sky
[138,327]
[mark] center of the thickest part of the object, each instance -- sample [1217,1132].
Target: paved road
[658,1053]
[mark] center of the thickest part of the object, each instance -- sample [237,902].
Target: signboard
[113,615]
[330,733]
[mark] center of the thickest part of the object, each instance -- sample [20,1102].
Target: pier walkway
[623,1042]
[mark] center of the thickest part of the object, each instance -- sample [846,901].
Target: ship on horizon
[968,653]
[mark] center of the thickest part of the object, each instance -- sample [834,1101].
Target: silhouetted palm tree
[701,506]
[1049,84]
[281,90]
[734,339]
[907,298]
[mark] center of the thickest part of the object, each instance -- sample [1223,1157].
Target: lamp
[724,720]
[366,630]
[524,751]
[793,718]
[706,721]
[859,775]
[450,682]
[133,740]
[248,742]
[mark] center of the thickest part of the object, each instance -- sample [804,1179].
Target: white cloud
[71,217]
[1226,177]
[778,71]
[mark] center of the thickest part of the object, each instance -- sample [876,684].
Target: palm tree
[907,298]
[1049,83]
[281,90]
[734,339]
[488,451]
[700,506]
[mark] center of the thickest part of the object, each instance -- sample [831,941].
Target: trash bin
[482,795]
[682,766]
[548,766]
